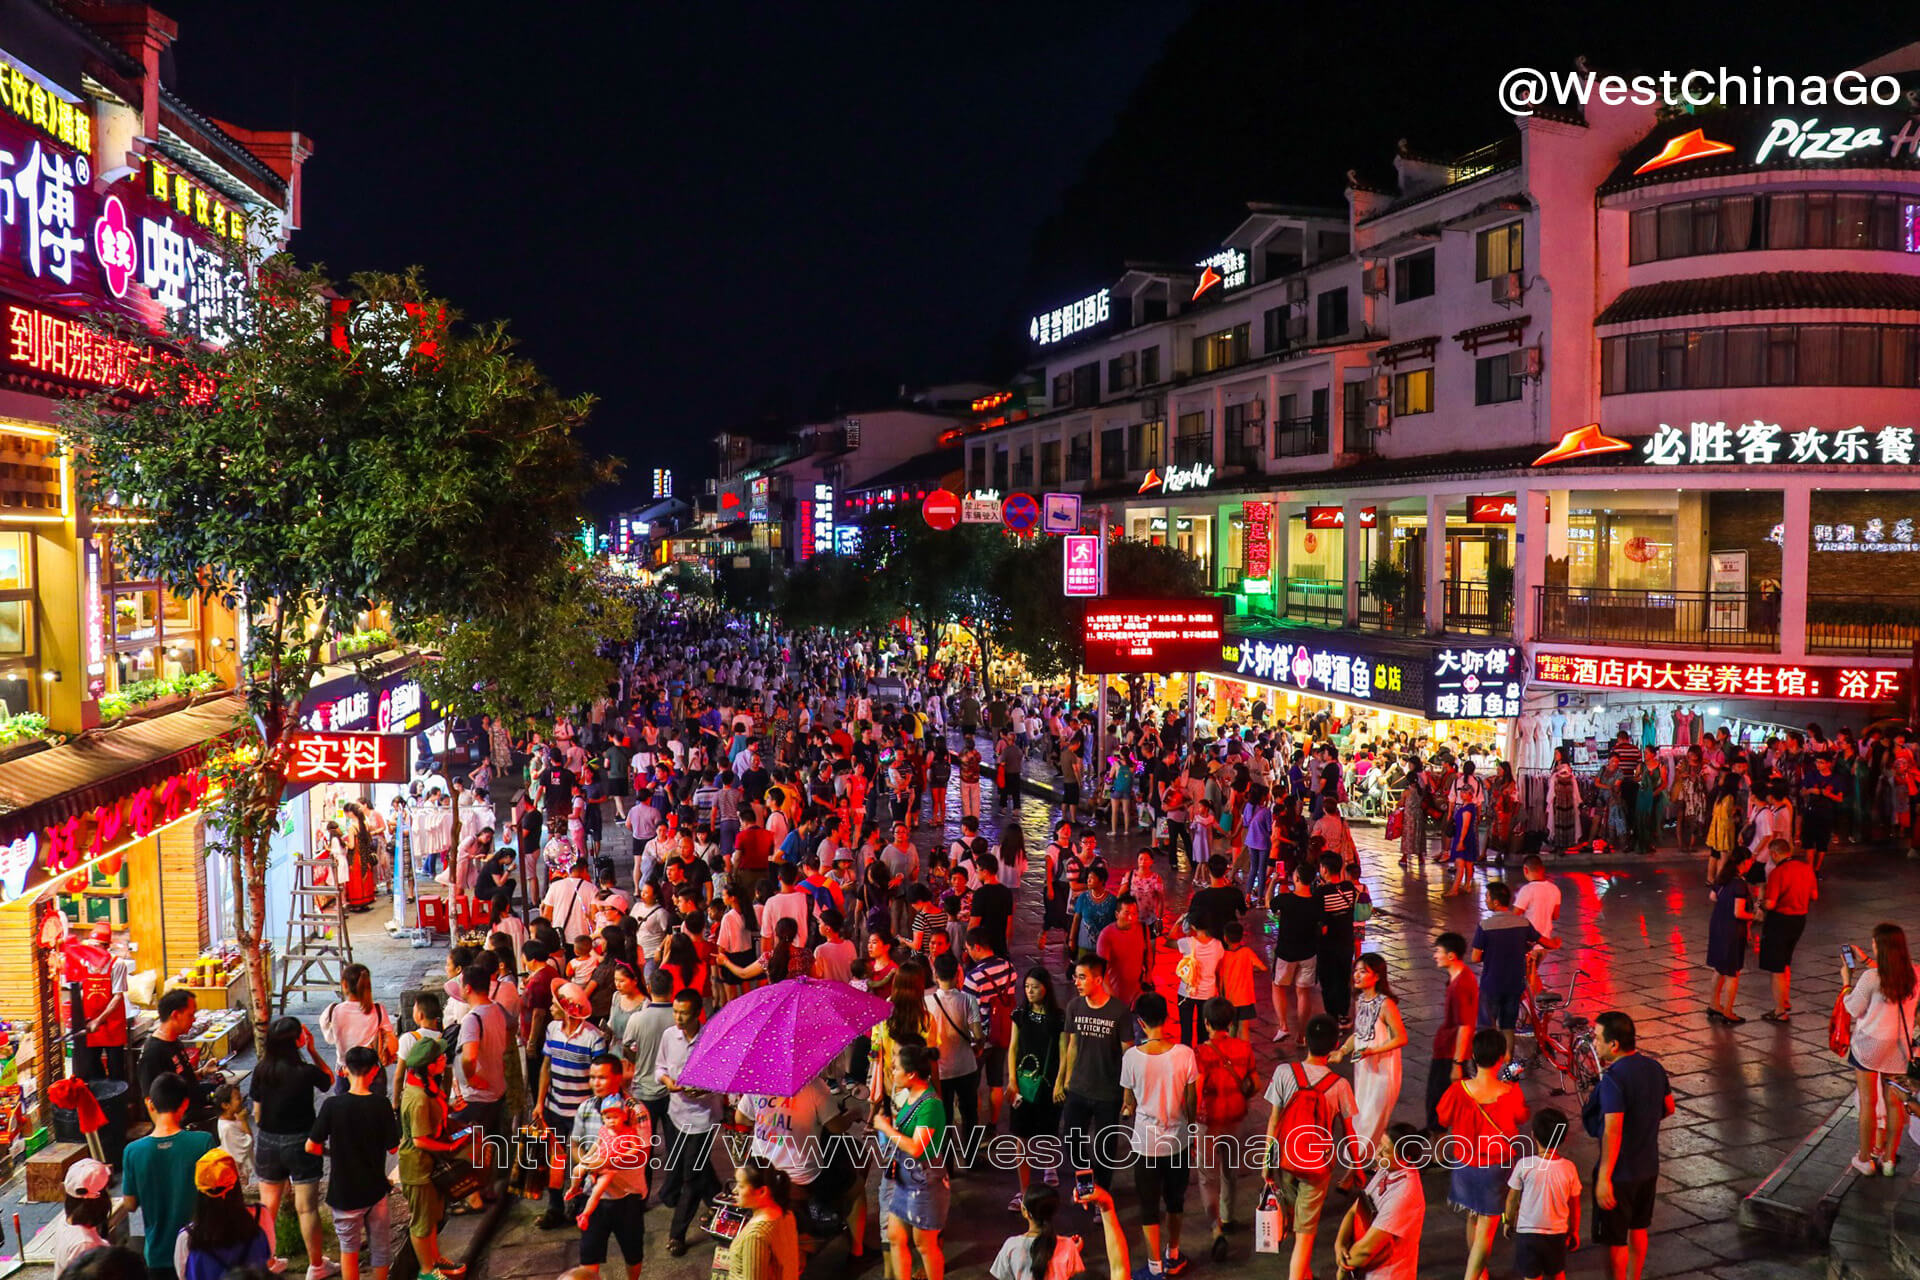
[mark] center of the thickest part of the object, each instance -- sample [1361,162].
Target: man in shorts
[1307,1197]
[1296,951]
[423,1111]
[1159,1083]
[1634,1099]
[1791,889]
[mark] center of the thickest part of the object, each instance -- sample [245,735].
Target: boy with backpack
[1226,1082]
[1312,1110]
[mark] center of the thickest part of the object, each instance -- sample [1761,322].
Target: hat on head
[102,932]
[215,1173]
[424,1052]
[88,1179]
[572,998]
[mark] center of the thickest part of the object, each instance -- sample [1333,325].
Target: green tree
[936,578]
[311,469]
[747,581]
[1038,622]
[832,591]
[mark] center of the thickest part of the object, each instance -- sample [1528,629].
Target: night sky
[708,214]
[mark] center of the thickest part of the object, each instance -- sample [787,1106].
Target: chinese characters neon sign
[1062,323]
[67,349]
[346,757]
[1318,668]
[65,120]
[1723,679]
[1474,683]
[1257,534]
[1757,443]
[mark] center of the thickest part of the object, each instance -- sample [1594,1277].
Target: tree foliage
[314,468]
[832,591]
[1040,624]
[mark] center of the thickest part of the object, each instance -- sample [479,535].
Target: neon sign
[1178,479]
[1062,323]
[1760,443]
[1336,518]
[1080,573]
[346,757]
[1257,535]
[67,349]
[1227,269]
[1474,683]
[1726,679]
[50,110]
[819,527]
[1318,668]
[191,199]
[1804,142]
[1492,510]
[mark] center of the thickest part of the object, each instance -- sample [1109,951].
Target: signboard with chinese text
[1854,682]
[980,511]
[1474,682]
[396,705]
[1335,669]
[1757,443]
[759,499]
[154,245]
[1153,637]
[1727,590]
[822,522]
[346,757]
[1256,534]
[1062,323]
[1081,564]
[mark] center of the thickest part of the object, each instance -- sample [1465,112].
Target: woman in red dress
[361,863]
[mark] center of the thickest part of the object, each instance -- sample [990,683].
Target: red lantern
[77,882]
[110,865]
[1639,550]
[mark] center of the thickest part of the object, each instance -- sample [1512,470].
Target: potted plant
[1499,594]
[1388,582]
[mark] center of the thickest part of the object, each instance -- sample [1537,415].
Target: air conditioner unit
[1297,289]
[1532,360]
[1382,387]
[1507,288]
[1151,408]
[1256,411]
[1382,416]
[1296,328]
[1373,280]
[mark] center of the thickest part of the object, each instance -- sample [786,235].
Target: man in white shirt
[791,902]
[1159,1081]
[1386,1245]
[694,1113]
[789,1133]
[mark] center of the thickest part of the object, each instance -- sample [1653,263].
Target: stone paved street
[1637,933]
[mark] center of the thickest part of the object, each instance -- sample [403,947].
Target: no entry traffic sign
[942,509]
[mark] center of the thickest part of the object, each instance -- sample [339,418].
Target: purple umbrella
[774,1039]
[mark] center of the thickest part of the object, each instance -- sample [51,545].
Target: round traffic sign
[1020,512]
[942,509]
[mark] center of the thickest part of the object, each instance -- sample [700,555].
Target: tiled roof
[1766,291]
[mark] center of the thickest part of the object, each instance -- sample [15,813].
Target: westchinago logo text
[1525,90]
[1110,1147]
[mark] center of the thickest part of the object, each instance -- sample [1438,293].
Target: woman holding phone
[1881,997]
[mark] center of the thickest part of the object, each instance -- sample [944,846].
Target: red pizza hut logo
[1492,510]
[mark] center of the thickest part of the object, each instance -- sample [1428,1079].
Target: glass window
[16,628]
[1498,251]
[1807,355]
[1412,392]
[1620,550]
[16,562]
[1496,379]
[135,665]
[181,612]
[1332,314]
[1413,276]
[135,614]
[1149,366]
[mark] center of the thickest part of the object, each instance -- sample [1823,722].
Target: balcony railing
[1188,450]
[1683,619]
[1079,465]
[1316,600]
[1400,613]
[1477,609]
[1243,447]
[1023,476]
[1862,624]
[1300,438]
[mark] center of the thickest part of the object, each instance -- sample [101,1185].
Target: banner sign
[1153,637]
[347,757]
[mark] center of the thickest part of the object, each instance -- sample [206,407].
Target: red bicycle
[1561,1040]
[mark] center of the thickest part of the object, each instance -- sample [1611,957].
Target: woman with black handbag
[1033,1063]
[1881,997]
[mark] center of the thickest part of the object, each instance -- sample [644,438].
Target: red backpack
[1306,1127]
[1225,1081]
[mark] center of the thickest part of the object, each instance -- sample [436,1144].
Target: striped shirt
[568,1058]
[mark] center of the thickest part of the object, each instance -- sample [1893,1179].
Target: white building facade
[1626,404]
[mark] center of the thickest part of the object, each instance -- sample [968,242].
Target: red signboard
[1257,530]
[1699,678]
[346,757]
[1336,517]
[1492,509]
[1154,637]
[942,509]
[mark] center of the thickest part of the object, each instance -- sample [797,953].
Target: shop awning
[99,768]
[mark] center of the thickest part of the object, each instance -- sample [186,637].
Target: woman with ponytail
[768,1246]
